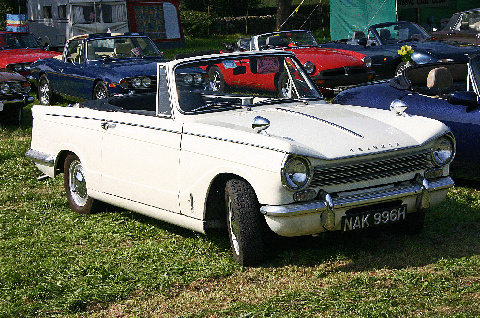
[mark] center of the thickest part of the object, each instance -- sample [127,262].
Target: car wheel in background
[44,90]
[216,79]
[399,70]
[285,87]
[100,90]
[76,185]
[245,223]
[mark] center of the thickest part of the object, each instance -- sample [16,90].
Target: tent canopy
[347,16]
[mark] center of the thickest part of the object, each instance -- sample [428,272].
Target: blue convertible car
[96,66]
[384,40]
[448,92]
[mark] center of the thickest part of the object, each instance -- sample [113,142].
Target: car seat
[276,41]
[439,78]
[385,35]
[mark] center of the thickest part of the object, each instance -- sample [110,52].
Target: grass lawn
[55,263]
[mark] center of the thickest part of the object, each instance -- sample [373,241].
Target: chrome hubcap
[216,82]
[78,186]
[44,93]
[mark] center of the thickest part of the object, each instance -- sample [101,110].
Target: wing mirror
[469,99]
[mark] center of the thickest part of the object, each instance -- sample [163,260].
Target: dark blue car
[383,41]
[448,92]
[97,66]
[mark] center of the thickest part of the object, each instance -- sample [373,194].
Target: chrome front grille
[370,170]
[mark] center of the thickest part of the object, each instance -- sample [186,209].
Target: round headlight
[136,82]
[198,79]
[18,67]
[146,82]
[368,61]
[296,173]
[188,79]
[4,88]
[443,151]
[309,67]
[16,87]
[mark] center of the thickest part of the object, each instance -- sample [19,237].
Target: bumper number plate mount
[374,218]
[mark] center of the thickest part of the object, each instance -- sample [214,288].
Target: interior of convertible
[438,81]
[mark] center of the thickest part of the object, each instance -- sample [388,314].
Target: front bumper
[325,215]
[13,101]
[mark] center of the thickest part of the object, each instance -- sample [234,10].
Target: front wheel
[12,117]
[217,81]
[44,90]
[245,223]
[76,185]
[100,91]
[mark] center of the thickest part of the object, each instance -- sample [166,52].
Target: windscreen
[121,47]
[229,83]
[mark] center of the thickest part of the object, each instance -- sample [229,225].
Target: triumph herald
[246,159]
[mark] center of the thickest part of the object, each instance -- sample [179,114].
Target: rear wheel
[76,185]
[44,90]
[245,223]
[100,91]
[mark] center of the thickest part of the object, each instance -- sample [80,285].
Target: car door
[140,158]
[70,78]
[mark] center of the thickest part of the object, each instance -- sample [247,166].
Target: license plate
[374,218]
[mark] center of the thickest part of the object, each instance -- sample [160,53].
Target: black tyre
[44,90]
[12,117]
[100,91]
[76,185]
[216,79]
[244,222]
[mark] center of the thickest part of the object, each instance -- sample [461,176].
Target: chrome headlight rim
[309,67]
[288,179]
[4,88]
[367,61]
[146,82]
[443,150]
[136,82]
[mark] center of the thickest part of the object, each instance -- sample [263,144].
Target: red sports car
[329,68]
[19,49]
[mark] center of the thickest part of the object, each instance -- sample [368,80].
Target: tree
[283,11]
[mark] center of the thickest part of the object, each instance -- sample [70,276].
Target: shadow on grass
[451,231]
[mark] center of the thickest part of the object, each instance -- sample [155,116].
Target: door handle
[106,125]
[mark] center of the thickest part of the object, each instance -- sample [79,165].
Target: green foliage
[223,8]
[4,9]
[196,24]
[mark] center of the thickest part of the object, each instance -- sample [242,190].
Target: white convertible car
[246,159]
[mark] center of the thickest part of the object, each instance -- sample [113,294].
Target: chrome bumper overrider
[328,210]
[41,158]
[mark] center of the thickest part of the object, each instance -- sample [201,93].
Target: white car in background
[246,159]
